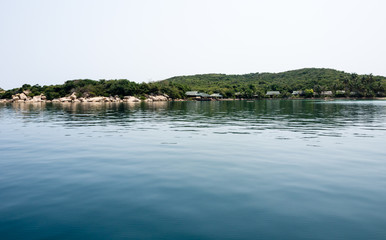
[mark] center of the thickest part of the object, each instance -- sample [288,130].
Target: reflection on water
[308,117]
[274,169]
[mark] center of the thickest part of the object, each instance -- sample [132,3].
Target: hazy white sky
[50,41]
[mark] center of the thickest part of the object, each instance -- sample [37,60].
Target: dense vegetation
[310,80]
[91,88]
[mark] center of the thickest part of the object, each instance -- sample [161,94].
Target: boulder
[115,99]
[22,96]
[162,98]
[65,99]
[158,98]
[15,97]
[131,99]
[95,99]
[37,99]
[73,96]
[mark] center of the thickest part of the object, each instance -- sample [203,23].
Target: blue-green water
[275,169]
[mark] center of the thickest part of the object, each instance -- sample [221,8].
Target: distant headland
[301,83]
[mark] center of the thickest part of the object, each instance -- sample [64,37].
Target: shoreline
[131,99]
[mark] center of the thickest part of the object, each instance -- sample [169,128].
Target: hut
[298,93]
[272,93]
[216,95]
[198,95]
[326,93]
[192,94]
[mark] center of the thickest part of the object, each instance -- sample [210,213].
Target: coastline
[132,99]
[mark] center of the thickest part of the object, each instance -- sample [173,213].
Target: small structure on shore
[202,96]
[193,94]
[326,93]
[216,95]
[272,93]
[340,93]
[298,92]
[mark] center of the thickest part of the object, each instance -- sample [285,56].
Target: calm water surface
[275,169]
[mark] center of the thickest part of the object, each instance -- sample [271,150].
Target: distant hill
[319,79]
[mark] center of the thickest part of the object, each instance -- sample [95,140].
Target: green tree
[308,93]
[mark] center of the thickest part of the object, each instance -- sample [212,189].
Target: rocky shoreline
[24,98]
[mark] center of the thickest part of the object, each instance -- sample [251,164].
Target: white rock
[22,96]
[131,99]
[162,98]
[158,98]
[73,96]
[95,99]
[37,99]
[65,99]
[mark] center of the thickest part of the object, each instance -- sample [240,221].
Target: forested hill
[317,79]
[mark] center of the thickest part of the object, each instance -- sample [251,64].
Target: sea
[264,169]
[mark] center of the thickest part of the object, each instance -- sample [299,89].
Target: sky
[48,42]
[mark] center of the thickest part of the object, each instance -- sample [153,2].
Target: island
[301,83]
